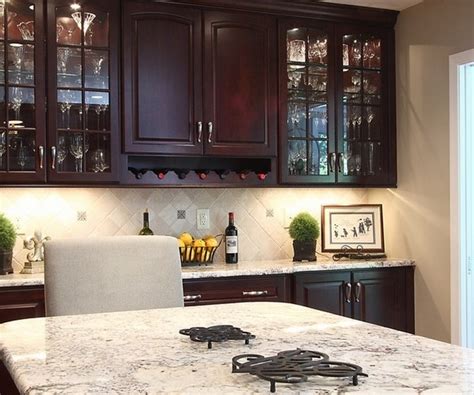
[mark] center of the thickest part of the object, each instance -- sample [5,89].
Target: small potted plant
[304,230]
[7,242]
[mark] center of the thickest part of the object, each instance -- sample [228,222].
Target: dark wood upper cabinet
[83,91]
[240,84]
[162,72]
[22,92]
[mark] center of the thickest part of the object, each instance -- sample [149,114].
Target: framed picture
[355,226]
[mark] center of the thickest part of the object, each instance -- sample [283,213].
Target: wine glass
[371,159]
[370,119]
[3,147]
[79,147]
[16,101]
[27,30]
[356,52]
[103,109]
[358,163]
[320,49]
[346,156]
[59,30]
[99,163]
[22,156]
[98,109]
[62,151]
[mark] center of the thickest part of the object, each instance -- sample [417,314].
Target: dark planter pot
[304,250]
[6,262]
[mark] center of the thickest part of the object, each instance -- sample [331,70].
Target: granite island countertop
[142,352]
[250,268]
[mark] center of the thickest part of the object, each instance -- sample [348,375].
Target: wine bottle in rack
[181,173]
[138,173]
[146,231]
[222,173]
[231,242]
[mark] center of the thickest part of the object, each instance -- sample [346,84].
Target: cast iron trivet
[218,333]
[294,366]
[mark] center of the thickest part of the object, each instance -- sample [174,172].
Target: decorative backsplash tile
[87,212]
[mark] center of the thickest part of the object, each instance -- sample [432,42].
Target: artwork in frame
[354,226]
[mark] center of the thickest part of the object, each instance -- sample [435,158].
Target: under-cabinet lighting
[294,30]
[75,6]
[97,97]
[31,7]
[16,45]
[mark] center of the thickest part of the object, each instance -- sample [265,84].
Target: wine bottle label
[231,244]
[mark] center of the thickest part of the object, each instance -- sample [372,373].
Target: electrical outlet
[203,220]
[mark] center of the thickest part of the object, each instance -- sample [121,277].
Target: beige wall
[417,213]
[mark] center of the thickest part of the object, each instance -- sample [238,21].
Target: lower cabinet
[17,303]
[379,296]
[272,288]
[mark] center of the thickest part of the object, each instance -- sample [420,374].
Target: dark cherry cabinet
[187,93]
[162,79]
[328,292]
[379,296]
[17,303]
[276,288]
[337,107]
[240,84]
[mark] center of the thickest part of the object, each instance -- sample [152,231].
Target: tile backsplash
[261,214]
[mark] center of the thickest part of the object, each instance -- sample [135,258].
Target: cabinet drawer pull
[210,129]
[192,297]
[254,293]
[348,290]
[41,155]
[357,292]
[53,157]
[199,124]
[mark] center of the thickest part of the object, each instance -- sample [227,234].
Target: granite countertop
[142,352]
[253,268]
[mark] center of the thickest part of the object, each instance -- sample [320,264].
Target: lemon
[198,249]
[211,242]
[181,243]
[207,237]
[186,238]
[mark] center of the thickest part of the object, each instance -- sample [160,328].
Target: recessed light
[75,6]
[294,30]
[16,45]
[31,7]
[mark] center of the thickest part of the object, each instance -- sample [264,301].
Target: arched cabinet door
[162,74]
[240,84]
[83,104]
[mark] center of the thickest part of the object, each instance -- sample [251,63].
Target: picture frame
[355,226]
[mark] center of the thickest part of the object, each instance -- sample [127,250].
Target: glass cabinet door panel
[317,47]
[352,51]
[3,120]
[98,111]
[352,85]
[97,35]
[3,150]
[352,122]
[69,61]
[21,67]
[69,110]
[21,20]
[296,119]
[21,148]
[318,158]
[372,53]
[96,69]
[98,157]
[68,32]
[297,157]
[372,87]
[318,121]
[79,146]
[297,77]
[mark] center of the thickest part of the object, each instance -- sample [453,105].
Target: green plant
[7,234]
[304,227]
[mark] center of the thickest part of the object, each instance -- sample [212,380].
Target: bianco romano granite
[241,269]
[142,352]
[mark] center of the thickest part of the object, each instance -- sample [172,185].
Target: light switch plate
[202,218]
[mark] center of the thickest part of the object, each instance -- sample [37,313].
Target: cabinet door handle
[357,292]
[339,162]
[254,293]
[192,297]
[348,290]
[41,155]
[332,162]
[53,157]
[199,125]
[210,129]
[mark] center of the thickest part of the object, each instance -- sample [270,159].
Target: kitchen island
[142,351]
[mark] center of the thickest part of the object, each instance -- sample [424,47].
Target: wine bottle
[231,242]
[146,231]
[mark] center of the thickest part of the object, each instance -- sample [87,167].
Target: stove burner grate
[294,366]
[217,333]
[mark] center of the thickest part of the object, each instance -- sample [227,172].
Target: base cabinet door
[380,297]
[330,292]
[20,303]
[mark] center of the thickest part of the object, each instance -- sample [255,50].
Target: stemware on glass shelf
[296,50]
[97,110]
[318,50]
[3,147]
[69,108]
[79,146]
[61,152]
[27,30]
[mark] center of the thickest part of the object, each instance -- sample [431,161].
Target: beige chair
[105,274]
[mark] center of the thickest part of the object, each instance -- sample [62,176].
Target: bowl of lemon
[198,251]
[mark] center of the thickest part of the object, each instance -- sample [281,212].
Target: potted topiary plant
[7,241]
[304,230]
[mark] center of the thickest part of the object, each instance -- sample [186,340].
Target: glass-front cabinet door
[307,132]
[83,110]
[366,141]
[22,92]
